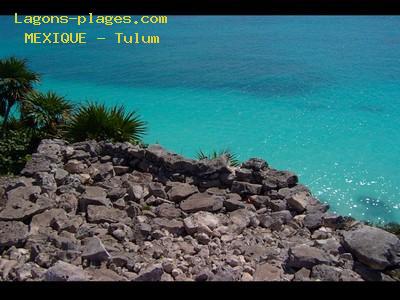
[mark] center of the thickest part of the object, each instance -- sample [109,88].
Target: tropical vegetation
[28,116]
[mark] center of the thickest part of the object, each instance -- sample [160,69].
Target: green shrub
[15,149]
[96,121]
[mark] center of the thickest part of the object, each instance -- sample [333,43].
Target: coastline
[126,212]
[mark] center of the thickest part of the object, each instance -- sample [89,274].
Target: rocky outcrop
[101,211]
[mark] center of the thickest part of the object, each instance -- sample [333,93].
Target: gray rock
[173,226]
[12,234]
[101,214]
[180,191]
[120,170]
[28,193]
[374,247]
[233,204]
[241,218]
[94,250]
[302,275]
[298,201]
[93,195]
[202,202]
[313,220]
[151,273]
[39,163]
[303,256]
[157,190]
[255,164]
[267,221]
[46,181]
[245,188]
[277,205]
[326,273]
[60,176]
[44,219]
[244,175]
[20,210]
[136,192]
[63,271]
[267,272]
[201,219]
[169,211]
[333,221]
[116,193]
[274,179]
[75,167]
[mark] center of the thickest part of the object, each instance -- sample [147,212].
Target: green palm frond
[232,157]
[46,111]
[96,121]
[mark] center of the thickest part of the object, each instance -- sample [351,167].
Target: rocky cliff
[101,211]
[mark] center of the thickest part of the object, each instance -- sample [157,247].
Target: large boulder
[202,202]
[374,247]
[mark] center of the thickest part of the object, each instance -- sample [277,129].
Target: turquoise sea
[318,95]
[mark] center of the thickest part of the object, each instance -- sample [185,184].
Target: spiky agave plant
[232,158]
[96,121]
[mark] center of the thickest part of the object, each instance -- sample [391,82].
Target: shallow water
[316,95]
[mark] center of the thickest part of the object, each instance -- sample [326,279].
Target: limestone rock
[374,247]
[12,234]
[267,272]
[202,202]
[63,271]
[305,256]
[101,214]
[180,191]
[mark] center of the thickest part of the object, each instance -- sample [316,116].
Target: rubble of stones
[121,212]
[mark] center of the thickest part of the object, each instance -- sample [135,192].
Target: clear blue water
[316,95]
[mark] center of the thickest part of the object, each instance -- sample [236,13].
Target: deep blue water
[318,95]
